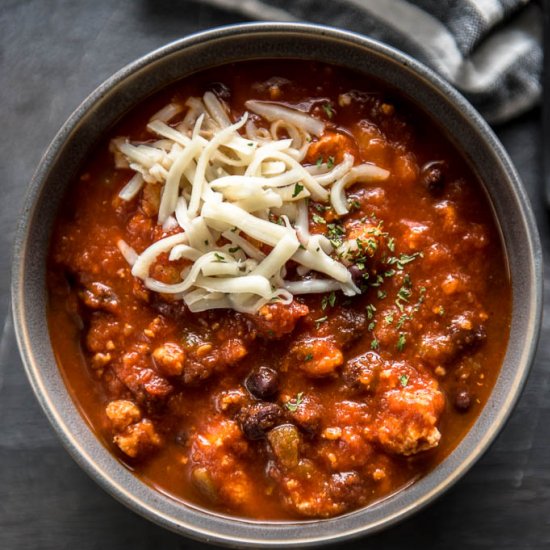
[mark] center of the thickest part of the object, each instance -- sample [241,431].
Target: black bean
[221,90]
[259,418]
[467,340]
[182,437]
[357,273]
[263,383]
[463,400]
[433,177]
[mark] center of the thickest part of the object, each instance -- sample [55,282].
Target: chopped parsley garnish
[404,294]
[374,344]
[234,249]
[206,242]
[318,219]
[295,402]
[371,326]
[370,311]
[319,162]
[402,320]
[381,294]
[378,282]
[335,232]
[250,144]
[354,205]
[391,244]
[298,188]
[319,321]
[401,341]
[389,319]
[319,207]
[441,311]
[330,162]
[329,111]
[403,260]
[308,357]
[328,300]
[404,380]
[219,257]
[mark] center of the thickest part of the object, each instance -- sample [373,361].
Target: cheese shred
[234,198]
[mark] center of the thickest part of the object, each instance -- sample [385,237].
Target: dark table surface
[52,54]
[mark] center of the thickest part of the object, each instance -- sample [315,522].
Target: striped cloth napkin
[489,49]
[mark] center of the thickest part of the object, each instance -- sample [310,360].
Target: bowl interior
[153,72]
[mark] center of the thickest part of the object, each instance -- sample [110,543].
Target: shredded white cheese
[241,203]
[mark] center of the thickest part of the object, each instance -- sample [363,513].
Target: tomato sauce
[301,411]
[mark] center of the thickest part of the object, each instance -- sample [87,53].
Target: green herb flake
[330,162]
[381,294]
[402,320]
[318,219]
[391,244]
[329,111]
[320,321]
[371,326]
[234,249]
[388,319]
[308,357]
[319,162]
[370,311]
[374,344]
[295,402]
[401,341]
[441,311]
[219,257]
[250,144]
[332,299]
[206,242]
[354,205]
[335,233]
[298,188]
[404,380]
[378,282]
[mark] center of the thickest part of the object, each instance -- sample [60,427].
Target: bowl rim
[249,537]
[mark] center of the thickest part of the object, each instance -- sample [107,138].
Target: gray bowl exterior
[255,41]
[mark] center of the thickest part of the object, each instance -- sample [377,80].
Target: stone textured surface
[52,54]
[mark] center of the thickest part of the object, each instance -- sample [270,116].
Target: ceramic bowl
[154,71]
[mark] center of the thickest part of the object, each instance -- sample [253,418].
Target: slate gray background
[52,54]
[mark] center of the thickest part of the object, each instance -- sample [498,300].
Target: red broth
[302,411]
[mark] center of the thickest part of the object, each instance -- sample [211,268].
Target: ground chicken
[138,439]
[169,359]
[122,413]
[410,405]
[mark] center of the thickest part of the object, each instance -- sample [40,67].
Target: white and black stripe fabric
[491,50]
